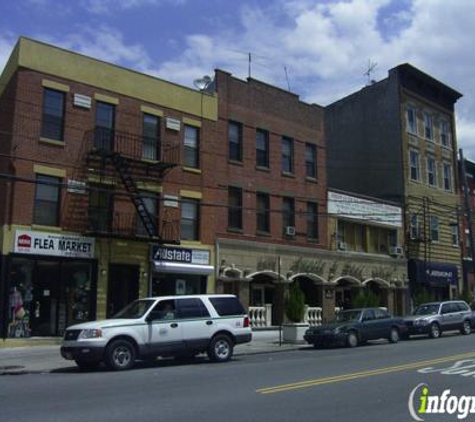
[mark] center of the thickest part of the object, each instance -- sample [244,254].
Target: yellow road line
[356,375]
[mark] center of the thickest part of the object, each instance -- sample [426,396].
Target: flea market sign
[52,244]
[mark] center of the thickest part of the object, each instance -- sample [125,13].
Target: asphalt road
[369,383]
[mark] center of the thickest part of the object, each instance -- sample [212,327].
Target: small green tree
[295,303]
[467,296]
[366,299]
[422,296]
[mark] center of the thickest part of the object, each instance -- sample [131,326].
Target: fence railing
[313,315]
[260,316]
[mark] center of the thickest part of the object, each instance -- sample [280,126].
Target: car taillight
[246,322]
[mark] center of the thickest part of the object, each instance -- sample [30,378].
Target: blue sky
[325,45]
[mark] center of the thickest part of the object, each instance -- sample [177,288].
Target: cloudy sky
[324,46]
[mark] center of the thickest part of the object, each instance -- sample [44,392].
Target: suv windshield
[427,309]
[135,309]
[348,316]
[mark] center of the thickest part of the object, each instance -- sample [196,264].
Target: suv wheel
[220,348]
[394,335]
[466,328]
[352,339]
[120,355]
[434,330]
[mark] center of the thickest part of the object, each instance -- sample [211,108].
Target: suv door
[164,330]
[197,325]
[449,316]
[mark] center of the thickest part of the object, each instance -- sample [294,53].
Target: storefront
[432,280]
[49,283]
[180,271]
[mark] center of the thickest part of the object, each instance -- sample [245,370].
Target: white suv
[181,326]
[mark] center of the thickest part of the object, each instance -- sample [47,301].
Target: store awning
[435,273]
[180,268]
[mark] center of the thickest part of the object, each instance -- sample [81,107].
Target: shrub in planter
[295,303]
[366,299]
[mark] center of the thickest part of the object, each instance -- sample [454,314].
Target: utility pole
[468,213]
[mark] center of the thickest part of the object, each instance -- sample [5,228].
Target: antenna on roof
[287,78]
[249,65]
[202,83]
[371,67]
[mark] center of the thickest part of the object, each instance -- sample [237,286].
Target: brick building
[100,169]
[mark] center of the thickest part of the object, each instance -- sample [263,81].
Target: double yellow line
[373,372]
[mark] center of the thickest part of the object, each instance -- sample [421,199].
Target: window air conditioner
[289,230]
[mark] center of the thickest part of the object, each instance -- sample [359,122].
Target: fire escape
[113,164]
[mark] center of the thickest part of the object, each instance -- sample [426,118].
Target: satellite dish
[202,83]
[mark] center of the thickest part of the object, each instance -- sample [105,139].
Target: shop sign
[347,206]
[432,272]
[53,244]
[182,255]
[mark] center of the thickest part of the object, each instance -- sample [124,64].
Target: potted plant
[294,309]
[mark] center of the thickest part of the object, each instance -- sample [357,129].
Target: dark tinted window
[462,307]
[47,199]
[163,310]
[368,315]
[192,308]
[449,307]
[381,314]
[227,306]
[53,115]
[235,141]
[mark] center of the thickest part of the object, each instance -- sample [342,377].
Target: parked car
[355,326]
[160,326]
[434,318]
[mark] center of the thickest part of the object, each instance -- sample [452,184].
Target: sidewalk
[40,355]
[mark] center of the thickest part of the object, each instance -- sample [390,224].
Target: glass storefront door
[46,296]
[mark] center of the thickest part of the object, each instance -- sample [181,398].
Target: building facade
[395,140]
[101,179]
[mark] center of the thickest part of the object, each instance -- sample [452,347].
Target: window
[53,115]
[192,144]
[431,172]
[226,306]
[455,234]
[434,228]
[105,122]
[262,148]
[445,134]
[288,212]
[312,220]
[311,161]
[411,122]
[287,155]
[151,137]
[234,208]
[235,141]
[192,308]
[447,176]
[263,212]
[428,134]
[414,164]
[414,229]
[100,209]
[150,202]
[190,219]
[47,198]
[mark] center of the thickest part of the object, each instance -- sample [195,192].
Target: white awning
[180,268]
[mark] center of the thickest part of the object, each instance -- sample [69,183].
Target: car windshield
[427,309]
[348,316]
[135,309]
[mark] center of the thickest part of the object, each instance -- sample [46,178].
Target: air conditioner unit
[289,230]
[396,251]
[342,246]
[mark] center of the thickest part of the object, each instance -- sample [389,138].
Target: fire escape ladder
[122,168]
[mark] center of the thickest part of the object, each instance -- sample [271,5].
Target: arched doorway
[266,289]
[312,288]
[378,291]
[346,291]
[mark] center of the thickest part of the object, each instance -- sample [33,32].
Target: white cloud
[7,42]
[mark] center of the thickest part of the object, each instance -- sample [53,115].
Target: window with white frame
[455,234]
[445,134]
[415,227]
[411,122]
[447,176]
[434,228]
[414,164]
[431,171]
[428,131]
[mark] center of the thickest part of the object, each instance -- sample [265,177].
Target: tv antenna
[202,83]
[287,78]
[371,67]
